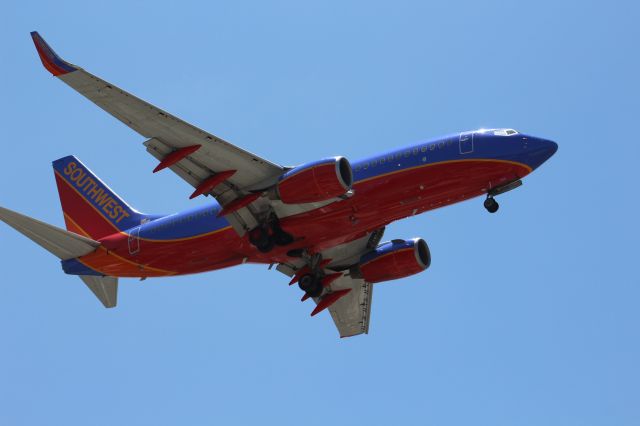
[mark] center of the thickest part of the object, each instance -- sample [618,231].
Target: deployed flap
[63,244]
[352,312]
[105,289]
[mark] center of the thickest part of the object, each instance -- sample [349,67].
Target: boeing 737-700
[321,223]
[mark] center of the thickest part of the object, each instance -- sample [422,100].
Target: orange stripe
[206,234]
[75,224]
[446,162]
[164,271]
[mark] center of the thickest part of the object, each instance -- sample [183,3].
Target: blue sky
[526,317]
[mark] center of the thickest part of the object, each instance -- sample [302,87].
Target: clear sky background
[526,317]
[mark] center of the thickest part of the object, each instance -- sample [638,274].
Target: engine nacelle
[395,259]
[315,181]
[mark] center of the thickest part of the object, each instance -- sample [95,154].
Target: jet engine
[395,259]
[316,181]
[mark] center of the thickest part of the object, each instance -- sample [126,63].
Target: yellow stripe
[446,162]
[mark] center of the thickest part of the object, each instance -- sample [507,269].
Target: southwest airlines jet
[320,223]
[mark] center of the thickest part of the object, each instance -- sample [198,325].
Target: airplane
[320,223]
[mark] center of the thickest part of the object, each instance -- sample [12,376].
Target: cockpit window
[500,132]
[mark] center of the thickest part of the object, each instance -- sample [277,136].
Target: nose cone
[539,151]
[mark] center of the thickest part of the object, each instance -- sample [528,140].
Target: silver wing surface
[352,312]
[167,133]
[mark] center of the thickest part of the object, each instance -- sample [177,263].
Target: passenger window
[441,145]
[432,146]
[407,154]
[390,158]
[423,149]
[382,161]
[415,151]
[398,156]
[366,166]
[374,163]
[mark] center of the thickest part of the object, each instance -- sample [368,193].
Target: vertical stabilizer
[90,207]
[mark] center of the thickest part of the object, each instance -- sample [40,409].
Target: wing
[208,163]
[347,297]
[351,312]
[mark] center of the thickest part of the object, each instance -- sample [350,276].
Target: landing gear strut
[268,235]
[491,204]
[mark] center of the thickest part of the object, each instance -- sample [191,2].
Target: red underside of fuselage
[377,201]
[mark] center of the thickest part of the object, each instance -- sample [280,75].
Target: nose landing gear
[491,204]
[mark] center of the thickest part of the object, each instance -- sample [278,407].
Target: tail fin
[90,207]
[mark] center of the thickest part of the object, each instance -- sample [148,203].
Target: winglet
[49,58]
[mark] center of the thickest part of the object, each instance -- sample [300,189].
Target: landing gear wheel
[491,205]
[311,285]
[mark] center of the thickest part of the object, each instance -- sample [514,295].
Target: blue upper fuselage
[497,144]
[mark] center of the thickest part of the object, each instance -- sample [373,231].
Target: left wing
[207,162]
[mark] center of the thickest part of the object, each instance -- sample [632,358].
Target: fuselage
[387,187]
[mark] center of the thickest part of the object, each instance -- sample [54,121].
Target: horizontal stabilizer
[63,244]
[105,289]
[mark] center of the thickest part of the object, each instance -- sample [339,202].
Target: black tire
[310,285]
[491,205]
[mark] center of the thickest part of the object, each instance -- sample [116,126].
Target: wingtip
[51,61]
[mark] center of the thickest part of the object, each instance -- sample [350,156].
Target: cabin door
[134,240]
[466,142]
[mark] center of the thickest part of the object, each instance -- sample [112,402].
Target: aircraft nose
[540,150]
[548,147]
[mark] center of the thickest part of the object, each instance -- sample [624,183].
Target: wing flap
[351,314]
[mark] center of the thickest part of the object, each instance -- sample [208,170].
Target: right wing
[352,312]
[167,134]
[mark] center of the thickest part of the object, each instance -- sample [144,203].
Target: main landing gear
[491,204]
[311,284]
[268,235]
